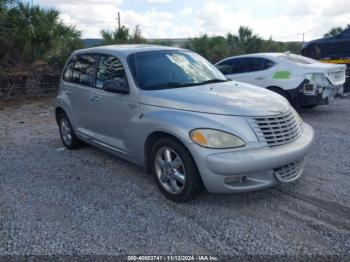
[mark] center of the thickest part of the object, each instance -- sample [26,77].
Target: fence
[39,80]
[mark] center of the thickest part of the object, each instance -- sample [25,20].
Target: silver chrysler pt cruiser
[174,113]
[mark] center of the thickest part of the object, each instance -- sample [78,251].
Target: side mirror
[115,86]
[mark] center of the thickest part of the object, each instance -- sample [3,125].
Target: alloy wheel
[66,131]
[170,170]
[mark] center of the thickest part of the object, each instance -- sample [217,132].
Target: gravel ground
[55,201]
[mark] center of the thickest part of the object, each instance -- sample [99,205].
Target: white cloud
[158,1]
[186,11]
[313,17]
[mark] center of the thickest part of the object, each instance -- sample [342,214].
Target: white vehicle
[303,81]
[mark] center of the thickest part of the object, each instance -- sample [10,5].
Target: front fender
[179,123]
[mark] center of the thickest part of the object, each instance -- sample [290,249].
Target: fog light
[234,179]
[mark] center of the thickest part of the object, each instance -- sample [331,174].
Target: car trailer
[345,61]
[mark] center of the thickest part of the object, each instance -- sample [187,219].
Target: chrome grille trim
[276,130]
[289,172]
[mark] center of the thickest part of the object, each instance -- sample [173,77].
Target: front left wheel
[175,171]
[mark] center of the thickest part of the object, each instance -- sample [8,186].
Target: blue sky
[282,20]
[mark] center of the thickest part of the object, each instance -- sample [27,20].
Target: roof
[263,55]
[125,50]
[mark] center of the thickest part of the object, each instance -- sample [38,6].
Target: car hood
[228,98]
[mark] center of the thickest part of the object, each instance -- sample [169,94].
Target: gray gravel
[55,201]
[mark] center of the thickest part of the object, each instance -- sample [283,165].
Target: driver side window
[110,68]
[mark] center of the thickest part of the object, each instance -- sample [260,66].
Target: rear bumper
[220,172]
[326,96]
[322,96]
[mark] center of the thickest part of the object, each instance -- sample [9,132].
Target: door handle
[68,92]
[95,99]
[259,78]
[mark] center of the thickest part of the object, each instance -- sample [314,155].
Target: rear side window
[67,75]
[81,72]
[110,68]
[267,64]
[254,64]
[230,66]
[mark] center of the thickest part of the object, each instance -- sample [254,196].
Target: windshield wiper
[177,85]
[212,81]
[168,85]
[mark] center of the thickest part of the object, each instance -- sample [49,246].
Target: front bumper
[256,168]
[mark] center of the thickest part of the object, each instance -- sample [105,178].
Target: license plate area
[309,88]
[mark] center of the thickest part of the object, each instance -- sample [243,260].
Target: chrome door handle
[95,99]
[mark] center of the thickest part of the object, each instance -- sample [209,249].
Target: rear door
[111,113]
[254,70]
[78,78]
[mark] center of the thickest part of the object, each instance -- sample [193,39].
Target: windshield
[156,70]
[299,59]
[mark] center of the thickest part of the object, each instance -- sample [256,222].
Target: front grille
[276,130]
[289,172]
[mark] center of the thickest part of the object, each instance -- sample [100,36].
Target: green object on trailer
[282,75]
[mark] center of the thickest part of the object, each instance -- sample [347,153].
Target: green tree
[137,37]
[5,5]
[273,46]
[244,42]
[34,33]
[66,39]
[160,42]
[335,30]
[119,36]
[212,48]
[122,35]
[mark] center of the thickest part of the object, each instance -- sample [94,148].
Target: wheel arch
[59,111]
[151,139]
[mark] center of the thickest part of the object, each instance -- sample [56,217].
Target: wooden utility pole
[118,20]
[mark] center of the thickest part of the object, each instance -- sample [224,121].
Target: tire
[178,180]
[313,52]
[68,137]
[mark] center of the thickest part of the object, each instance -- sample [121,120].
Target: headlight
[212,138]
